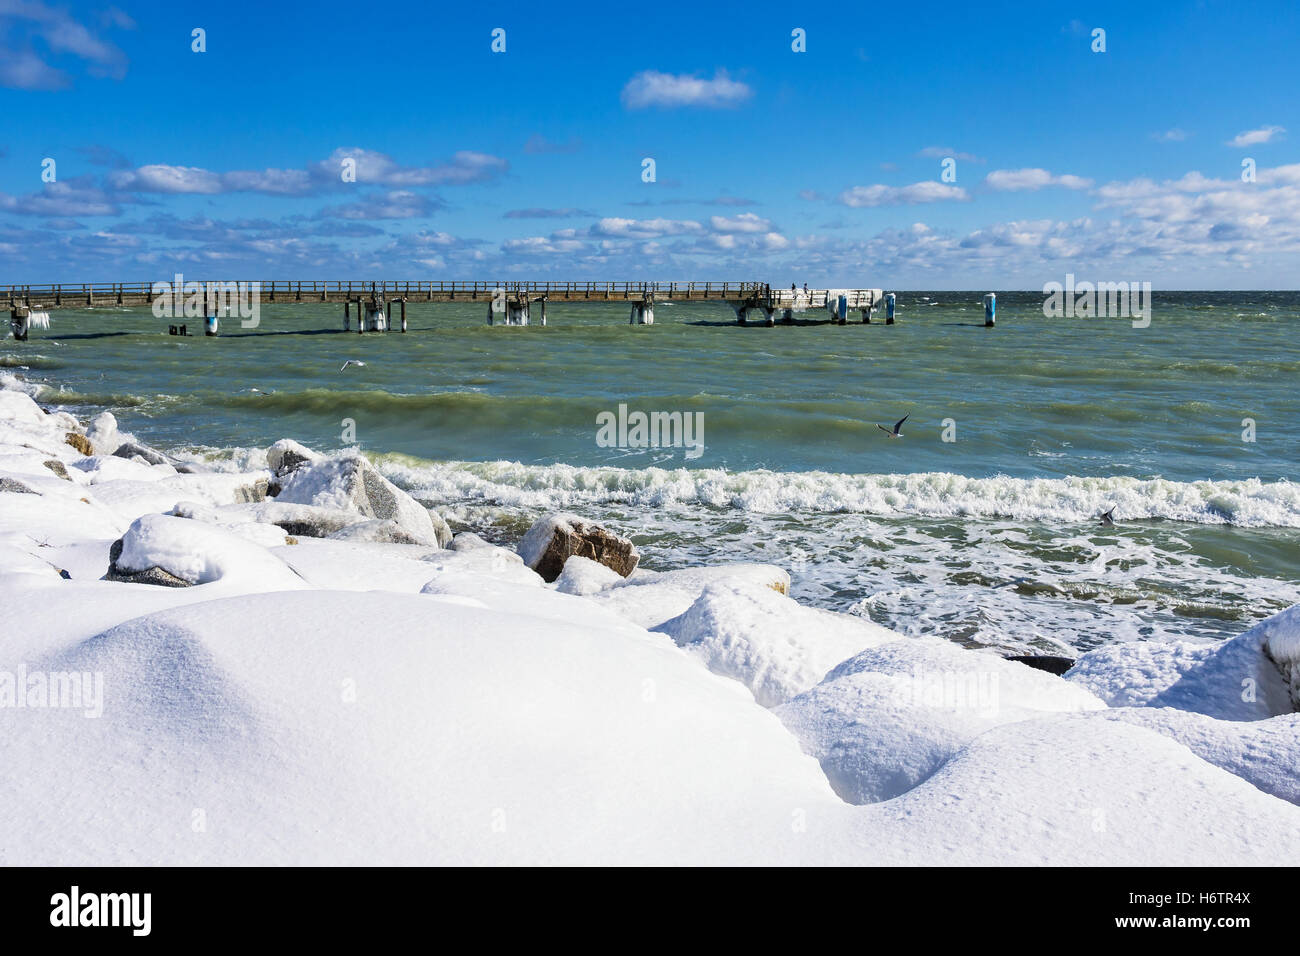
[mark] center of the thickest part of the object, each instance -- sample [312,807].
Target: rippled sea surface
[980,524]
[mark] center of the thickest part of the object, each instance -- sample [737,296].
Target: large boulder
[351,483]
[552,540]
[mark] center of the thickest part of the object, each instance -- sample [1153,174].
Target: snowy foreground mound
[304,690]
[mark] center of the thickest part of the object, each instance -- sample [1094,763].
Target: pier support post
[788,316]
[742,314]
[403,314]
[517,312]
[210,325]
[889,309]
[347,316]
[643,313]
[19,321]
[990,310]
[768,317]
[866,314]
[543,311]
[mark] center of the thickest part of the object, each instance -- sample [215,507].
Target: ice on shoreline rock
[103,435]
[886,720]
[554,538]
[770,643]
[350,483]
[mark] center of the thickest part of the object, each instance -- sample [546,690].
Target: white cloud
[1256,137]
[1174,135]
[745,222]
[652,88]
[617,228]
[1019,180]
[879,195]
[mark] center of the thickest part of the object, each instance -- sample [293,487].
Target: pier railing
[273,290]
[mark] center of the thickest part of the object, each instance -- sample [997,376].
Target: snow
[773,645]
[1234,680]
[353,702]
[584,576]
[653,599]
[887,719]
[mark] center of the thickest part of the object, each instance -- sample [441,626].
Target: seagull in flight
[356,362]
[895,433]
[1108,519]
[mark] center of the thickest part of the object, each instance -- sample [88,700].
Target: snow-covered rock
[350,483]
[286,455]
[886,720]
[773,645]
[553,539]
[194,552]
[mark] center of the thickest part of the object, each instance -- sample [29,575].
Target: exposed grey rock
[59,469]
[15,486]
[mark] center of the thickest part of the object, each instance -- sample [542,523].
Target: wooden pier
[511,301]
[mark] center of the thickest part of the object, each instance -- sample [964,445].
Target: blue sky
[821,166]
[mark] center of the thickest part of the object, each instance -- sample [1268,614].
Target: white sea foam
[1250,503]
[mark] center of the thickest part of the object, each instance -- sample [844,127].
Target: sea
[980,524]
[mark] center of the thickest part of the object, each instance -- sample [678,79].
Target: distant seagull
[895,433]
[356,362]
[1107,519]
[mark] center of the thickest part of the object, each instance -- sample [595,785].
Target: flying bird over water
[356,362]
[1107,518]
[896,433]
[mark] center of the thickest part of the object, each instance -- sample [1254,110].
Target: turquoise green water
[988,538]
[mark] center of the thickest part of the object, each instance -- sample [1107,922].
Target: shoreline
[335,677]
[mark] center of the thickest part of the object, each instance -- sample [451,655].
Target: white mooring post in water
[210,325]
[643,313]
[990,310]
[889,309]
